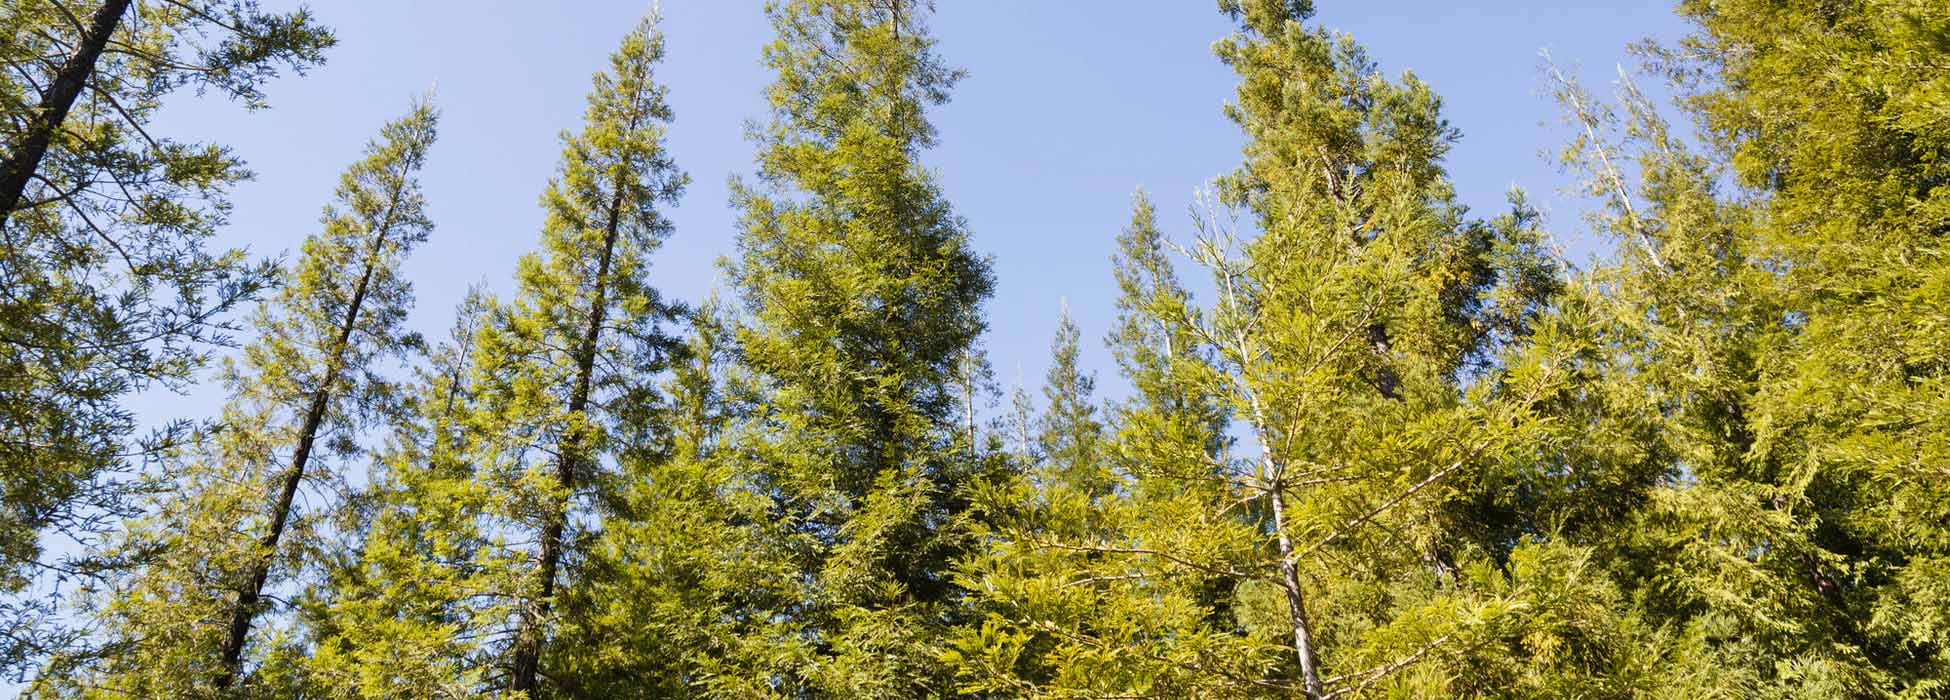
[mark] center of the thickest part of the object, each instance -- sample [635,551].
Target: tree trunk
[526,664]
[1385,380]
[25,158]
[243,610]
[1296,603]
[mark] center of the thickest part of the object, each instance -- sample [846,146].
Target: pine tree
[111,286]
[567,368]
[1781,329]
[398,613]
[228,518]
[864,309]
[1066,617]
[1376,344]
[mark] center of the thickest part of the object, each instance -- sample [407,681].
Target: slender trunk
[243,610]
[972,450]
[528,642]
[1296,603]
[25,160]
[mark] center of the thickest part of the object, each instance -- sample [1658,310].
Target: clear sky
[1069,106]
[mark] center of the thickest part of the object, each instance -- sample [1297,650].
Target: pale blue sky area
[1068,107]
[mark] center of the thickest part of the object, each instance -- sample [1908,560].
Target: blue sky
[1069,106]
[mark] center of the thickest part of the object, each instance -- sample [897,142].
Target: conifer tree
[1071,439]
[1351,339]
[1853,434]
[229,518]
[1344,331]
[127,54]
[111,285]
[1781,331]
[679,570]
[1155,345]
[1398,452]
[863,300]
[567,367]
[398,613]
[1064,616]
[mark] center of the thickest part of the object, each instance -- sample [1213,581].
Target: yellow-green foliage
[1391,448]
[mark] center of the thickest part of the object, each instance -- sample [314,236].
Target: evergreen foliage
[862,299]
[547,387]
[111,286]
[1390,448]
[227,524]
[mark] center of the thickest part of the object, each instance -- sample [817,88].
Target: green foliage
[223,518]
[863,309]
[111,287]
[508,465]
[1379,348]
[1786,336]
[400,607]
[1400,451]
[648,604]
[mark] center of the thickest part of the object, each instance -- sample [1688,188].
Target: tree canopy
[1358,440]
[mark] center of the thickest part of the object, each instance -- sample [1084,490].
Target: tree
[1777,292]
[1072,606]
[398,611]
[1072,438]
[1381,350]
[181,622]
[571,360]
[128,54]
[681,569]
[1826,112]
[1344,332]
[111,287]
[863,300]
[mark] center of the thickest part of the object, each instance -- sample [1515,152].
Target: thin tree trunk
[528,642]
[243,610]
[56,101]
[973,453]
[1296,603]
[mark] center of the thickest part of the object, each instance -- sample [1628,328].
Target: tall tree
[1362,339]
[302,391]
[110,286]
[1070,610]
[402,611]
[1784,329]
[864,309]
[572,359]
[682,567]
[127,54]
[1358,338]
[1834,113]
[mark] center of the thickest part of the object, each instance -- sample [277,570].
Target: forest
[1370,443]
